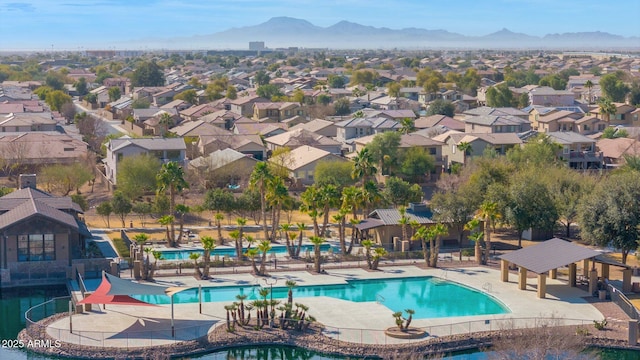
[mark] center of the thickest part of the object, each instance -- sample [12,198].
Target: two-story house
[548,96]
[578,151]
[164,149]
[359,127]
[300,137]
[244,105]
[26,122]
[496,124]
[277,111]
[459,147]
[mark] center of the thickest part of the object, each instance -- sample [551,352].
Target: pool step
[380,299]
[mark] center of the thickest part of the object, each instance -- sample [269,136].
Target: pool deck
[127,326]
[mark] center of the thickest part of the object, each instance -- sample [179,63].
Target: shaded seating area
[546,258]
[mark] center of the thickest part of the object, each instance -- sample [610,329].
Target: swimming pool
[429,297]
[183,254]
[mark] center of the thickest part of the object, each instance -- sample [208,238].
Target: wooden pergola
[545,258]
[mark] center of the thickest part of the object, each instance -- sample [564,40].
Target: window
[36,247]
[432,151]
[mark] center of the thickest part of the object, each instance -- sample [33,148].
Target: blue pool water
[183,254]
[429,297]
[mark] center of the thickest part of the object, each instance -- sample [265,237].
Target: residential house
[26,122]
[225,168]
[244,105]
[319,126]
[496,124]
[178,105]
[615,150]
[41,236]
[547,96]
[191,131]
[102,96]
[557,120]
[224,119]
[626,115]
[383,226]
[164,149]
[486,110]
[578,151]
[196,112]
[34,149]
[460,146]
[359,127]
[302,161]
[588,125]
[300,137]
[250,145]
[277,111]
[439,120]
[122,83]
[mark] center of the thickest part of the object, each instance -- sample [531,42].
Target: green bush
[468,252]
[121,248]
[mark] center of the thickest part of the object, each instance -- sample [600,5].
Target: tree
[64,179]
[613,86]
[147,73]
[555,81]
[323,99]
[408,125]
[195,257]
[261,78]
[181,210]
[610,215]
[371,196]
[441,107]
[137,175]
[105,210]
[143,209]
[337,173]
[317,241]
[399,192]
[373,257]
[232,93]
[435,234]
[277,195]
[329,197]
[219,200]
[567,188]
[607,108]
[81,86]
[258,181]
[613,133]
[76,198]
[264,247]
[393,88]
[167,221]
[336,81]
[342,107]
[384,150]
[139,103]
[454,207]
[589,86]
[190,96]
[114,93]
[55,80]
[364,77]
[500,96]
[416,164]
[55,99]
[539,152]
[121,206]
[529,205]
[476,236]
[268,91]
[311,204]
[171,178]
[208,244]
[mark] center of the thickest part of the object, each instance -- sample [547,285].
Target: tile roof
[218,159]
[148,143]
[300,137]
[490,120]
[25,203]
[304,155]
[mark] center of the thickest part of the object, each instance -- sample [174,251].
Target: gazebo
[552,254]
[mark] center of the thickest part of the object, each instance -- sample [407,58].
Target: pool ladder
[487,287]
[380,299]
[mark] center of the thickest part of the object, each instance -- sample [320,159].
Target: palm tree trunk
[487,240]
[263,208]
[325,219]
[341,231]
[207,259]
[425,251]
[317,257]
[172,207]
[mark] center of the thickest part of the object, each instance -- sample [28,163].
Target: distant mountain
[288,32]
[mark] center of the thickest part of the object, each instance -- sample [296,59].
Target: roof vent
[27,181]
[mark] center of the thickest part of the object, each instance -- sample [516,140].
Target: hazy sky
[71,24]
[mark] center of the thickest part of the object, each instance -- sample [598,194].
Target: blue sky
[74,24]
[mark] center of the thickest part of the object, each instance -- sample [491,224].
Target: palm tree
[301,226]
[182,210]
[277,194]
[290,285]
[330,197]
[351,199]
[589,85]
[408,125]
[371,196]
[373,257]
[340,218]
[422,233]
[241,223]
[165,121]
[607,108]
[264,247]
[311,201]
[465,147]
[435,236]
[219,217]
[316,241]
[472,226]
[404,221]
[171,177]
[195,257]
[258,180]
[378,253]
[140,239]
[363,166]
[488,212]
[208,244]
[286,228]
[354,234]
[167,221]
[157,255]
[251,254]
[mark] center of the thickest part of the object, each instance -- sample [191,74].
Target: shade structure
[113,290]
[549,255]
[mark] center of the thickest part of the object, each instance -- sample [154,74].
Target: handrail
[380,299]
[83,288]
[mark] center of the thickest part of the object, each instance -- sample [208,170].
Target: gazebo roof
[551,254]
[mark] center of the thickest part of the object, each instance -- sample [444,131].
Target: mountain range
[292,32]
